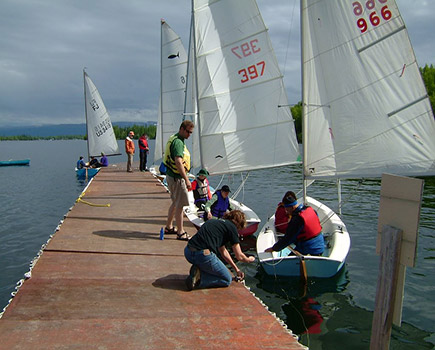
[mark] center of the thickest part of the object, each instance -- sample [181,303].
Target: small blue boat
[15,162]
[89,172]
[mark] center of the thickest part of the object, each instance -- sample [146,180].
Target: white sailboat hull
[252,219]
[337,245]
[195,216]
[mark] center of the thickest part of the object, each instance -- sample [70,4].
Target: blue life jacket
[162,168]
[219,207]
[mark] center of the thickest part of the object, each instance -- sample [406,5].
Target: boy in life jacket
[282,218]
[219,204]
[304,230]
[201,189]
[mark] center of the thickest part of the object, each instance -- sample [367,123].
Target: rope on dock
[92,204]
[89,203]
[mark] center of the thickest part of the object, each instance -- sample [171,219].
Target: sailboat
[237,88]
[173,70]
[100,135]
[365,112]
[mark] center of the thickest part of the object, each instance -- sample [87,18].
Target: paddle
[302,267]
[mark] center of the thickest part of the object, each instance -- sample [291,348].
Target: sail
[190,105]
[101,137]
[172,89]
[240,89]
[366,110]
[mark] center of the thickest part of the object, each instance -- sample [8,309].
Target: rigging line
[241,186]
[334,212]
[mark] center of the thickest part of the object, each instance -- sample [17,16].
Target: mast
[197,117]
[304,105]
[162,21]
[86,111]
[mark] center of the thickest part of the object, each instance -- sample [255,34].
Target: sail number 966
[374,17]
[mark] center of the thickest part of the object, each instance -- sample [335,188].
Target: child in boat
[282,218]
[201,189]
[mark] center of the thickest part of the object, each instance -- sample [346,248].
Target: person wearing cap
[304,229]
[219,204]
[129,149]
[201,189]
[177,162]
[282,218]
[207,252]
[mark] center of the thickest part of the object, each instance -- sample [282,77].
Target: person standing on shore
[143,152]
[129,149]
[177,161]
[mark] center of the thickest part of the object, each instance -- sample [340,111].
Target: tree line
[120,134]
[427,73]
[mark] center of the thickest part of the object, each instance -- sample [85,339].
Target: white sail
[366,110]
[172,89]
[101,137]
[240,87]
[191,105]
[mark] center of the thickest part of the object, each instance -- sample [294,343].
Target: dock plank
[106,281]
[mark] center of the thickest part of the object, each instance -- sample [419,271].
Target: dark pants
[143,160]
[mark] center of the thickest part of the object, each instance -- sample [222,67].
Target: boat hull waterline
[337,242]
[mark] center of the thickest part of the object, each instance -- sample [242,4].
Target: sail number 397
[374,17]
[244,50]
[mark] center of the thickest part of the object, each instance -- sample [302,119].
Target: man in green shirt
[177,161]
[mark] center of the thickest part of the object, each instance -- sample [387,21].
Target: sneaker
[192,281]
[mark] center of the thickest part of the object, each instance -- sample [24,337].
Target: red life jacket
[312,227]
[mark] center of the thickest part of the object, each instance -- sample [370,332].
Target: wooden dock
[106,281]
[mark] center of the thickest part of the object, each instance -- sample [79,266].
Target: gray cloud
[46,43]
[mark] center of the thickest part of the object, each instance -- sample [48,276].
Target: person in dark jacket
[143,152]
[207,248]
[304,229]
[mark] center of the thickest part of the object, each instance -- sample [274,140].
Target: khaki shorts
[179,194]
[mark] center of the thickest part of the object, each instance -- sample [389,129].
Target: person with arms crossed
[177,162]
[129,149]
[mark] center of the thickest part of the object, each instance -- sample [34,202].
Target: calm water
[336,312]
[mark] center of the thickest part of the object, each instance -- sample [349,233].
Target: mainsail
[101,137]
[172,88]
[239,88]
[366,110]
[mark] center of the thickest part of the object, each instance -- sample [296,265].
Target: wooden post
[389,267]
[399,215]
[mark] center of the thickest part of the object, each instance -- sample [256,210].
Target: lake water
[336,312]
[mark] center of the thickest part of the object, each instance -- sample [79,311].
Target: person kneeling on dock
[304,229]
[207,244]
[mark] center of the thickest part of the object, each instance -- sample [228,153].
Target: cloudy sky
[44,45]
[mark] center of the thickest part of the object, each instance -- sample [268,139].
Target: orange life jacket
[312,227]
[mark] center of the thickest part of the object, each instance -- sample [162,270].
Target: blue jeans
[214,273]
